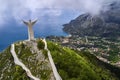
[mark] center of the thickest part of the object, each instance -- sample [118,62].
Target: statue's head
[30,20]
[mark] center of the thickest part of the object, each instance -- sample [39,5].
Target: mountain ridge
[106,24]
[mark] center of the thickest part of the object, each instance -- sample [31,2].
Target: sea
[14,30]
[14,33]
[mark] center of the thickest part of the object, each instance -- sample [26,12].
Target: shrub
[45,53]
[40,44]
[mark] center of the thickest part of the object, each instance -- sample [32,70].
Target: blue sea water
[13,31]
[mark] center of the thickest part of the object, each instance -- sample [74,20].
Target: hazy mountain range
[106,24]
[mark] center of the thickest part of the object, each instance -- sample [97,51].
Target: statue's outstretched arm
[34,22]
[25,22]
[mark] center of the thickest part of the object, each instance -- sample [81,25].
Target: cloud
[27,9]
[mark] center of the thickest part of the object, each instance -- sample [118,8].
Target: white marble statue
[30,30]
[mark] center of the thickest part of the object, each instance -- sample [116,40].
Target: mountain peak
[104,25]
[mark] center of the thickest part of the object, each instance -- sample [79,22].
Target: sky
[51,15]
[39,9]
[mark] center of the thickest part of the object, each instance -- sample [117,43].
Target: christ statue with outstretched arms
[30,30]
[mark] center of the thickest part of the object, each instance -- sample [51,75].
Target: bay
[15,30]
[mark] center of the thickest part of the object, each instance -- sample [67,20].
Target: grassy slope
[35,66]
[8,68]
[74,65]
[14,72]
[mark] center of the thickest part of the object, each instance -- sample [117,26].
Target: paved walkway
[56,74]
[18,62]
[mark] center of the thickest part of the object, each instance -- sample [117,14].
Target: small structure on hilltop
[30,30]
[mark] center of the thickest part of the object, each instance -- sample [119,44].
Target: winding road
[29,74]
[18,62]
[56,74]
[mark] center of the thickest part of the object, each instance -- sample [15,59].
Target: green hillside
[71,65]
[8,69]
[75,65]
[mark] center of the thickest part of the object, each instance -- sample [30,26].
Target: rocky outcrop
[107,24]
[27,60]
[18,62]
[36,60]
